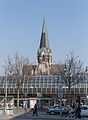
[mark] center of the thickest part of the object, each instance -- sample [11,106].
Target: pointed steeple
[44,36]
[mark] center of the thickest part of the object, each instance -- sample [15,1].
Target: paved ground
[19,114]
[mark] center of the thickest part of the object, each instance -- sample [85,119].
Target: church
[43,65]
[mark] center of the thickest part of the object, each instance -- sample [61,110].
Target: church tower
[44,57]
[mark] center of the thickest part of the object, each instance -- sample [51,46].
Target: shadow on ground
[42,115]
[29,115]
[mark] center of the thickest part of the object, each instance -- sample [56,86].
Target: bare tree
[73,72]
[14,67]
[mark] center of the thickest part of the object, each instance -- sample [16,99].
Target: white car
[84,111]
[56,110]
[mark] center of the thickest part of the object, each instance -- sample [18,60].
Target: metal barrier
[10,107]
[2,106]
[6,105]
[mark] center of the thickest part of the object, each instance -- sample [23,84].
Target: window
[84,108]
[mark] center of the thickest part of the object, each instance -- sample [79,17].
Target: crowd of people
[74,111]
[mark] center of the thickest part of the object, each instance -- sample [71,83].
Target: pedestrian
[78,112]
[25,108]
[35,110]
[70,110]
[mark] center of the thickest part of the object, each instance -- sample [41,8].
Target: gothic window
[43,58]
[38,59]
[48,58]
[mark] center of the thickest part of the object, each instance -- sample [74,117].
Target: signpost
[32,103]
[60,95]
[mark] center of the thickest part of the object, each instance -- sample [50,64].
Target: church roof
[44,43]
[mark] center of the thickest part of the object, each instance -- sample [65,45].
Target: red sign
[0,104]
[63,102]
[9,104]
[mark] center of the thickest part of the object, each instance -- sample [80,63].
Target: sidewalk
[19,114]
[41,115]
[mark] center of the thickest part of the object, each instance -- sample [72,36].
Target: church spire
[44,56]
[44,36]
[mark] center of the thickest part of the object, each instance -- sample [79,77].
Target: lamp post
[60,95]
[5,99]
[60,92]
[5,90]
[60,88]
[86,84]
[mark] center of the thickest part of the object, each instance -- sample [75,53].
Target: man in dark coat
[35,110]
[78,112]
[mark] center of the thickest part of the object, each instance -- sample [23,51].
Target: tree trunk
[18,97]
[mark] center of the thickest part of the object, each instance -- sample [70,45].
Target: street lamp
[60,88]
[86,84]
[5,90]
[60,95]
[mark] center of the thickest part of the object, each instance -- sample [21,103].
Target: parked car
[56,110]
[84,111]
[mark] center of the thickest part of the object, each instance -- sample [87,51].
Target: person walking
[70,110]
[25,108]
[78,112]
[35,110]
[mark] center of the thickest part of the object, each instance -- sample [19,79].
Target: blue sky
[21,26]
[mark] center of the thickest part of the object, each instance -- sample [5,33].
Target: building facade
[44,87]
